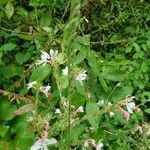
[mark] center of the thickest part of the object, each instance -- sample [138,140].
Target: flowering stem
[57,79]
[37,100]
[67,48]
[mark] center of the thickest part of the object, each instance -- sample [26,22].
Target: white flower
[130,106]
[42,144]
[81,76]
[45,90]
[100,102]
[80,109]
[89,142]
[92,142]
[53,54]
[57,111]
[111,114]
[109,104]
[65,71]
[31,85]
[30,119]
[99,145]
[44,58]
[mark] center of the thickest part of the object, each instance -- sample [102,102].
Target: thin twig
[114,42]
[14,96]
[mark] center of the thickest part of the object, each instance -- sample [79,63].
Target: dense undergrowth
[74,74]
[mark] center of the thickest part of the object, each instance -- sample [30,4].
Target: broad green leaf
[137,47]
[6,109]
[147,110]
[40,73]
[23,136]
[2,2]
[77,100]
[93,114]
[10,71]
[80,57]
[3,130]
[9,9]
[7,47]
[24,36]
[45,20]
[76,132]
[111,73]
[103,82]
[144,67]
[122,93]
[93,62]
[80,88]
[21,57]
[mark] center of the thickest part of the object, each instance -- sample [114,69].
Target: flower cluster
[47,57]
[43,89]
[92,142]
[101,103]
[44,142]
[129,107]
[81,76]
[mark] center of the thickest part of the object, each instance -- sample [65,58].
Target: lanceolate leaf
[9,9]
[93,114]
[7,47]
[23,109]
[40,73]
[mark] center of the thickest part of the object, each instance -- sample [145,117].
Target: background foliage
[110,39]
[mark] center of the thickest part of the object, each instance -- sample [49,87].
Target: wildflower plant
[62,91]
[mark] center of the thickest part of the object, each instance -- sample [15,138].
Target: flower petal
[50,141]
[37,145]
[130,106]
[45,55]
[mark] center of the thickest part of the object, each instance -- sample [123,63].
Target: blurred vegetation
[111,41]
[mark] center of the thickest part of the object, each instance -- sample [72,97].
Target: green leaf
[137,47]
[93,62]
[10,71]
[76,132]
[45,20]
[22,58]
[24,138]
[103,82]
[2,2]
[80,57]
[60,58]
[6,109]
[7,47]
[111,73]
[80,88]
[147,110]
[25,37]
[3,130]
[40,73]
[122,93]
[9,9]
[78,100]
[93,113]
